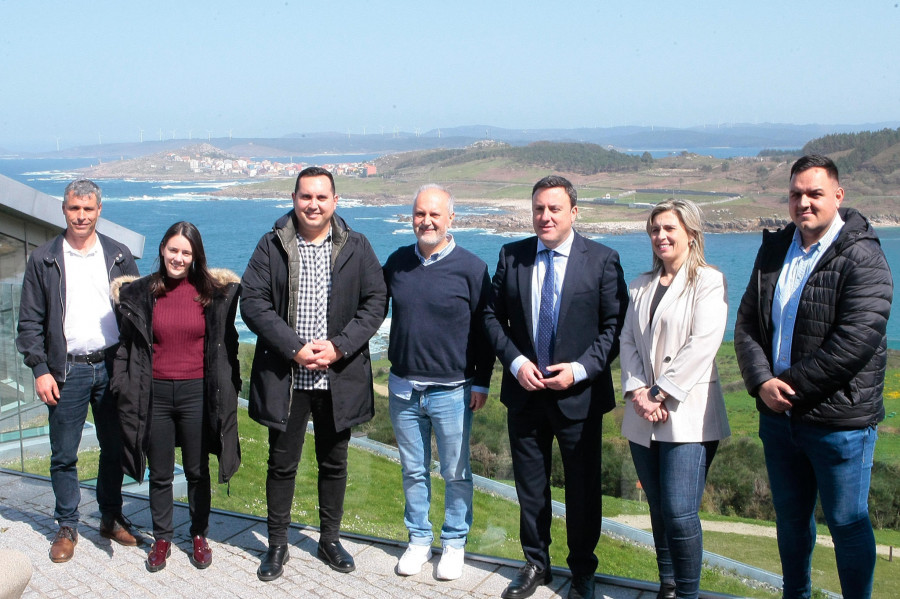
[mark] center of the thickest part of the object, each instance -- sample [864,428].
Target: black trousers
[531,433]
[285,449]
[177,418]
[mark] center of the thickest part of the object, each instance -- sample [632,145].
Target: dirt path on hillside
[740,528]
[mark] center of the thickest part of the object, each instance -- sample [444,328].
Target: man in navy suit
[554,319]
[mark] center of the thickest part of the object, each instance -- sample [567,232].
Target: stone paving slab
[101,568]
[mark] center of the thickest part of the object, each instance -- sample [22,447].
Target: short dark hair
[83,188]
[314,171]
[816,161]
[556,181]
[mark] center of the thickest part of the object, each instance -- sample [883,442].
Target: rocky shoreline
[515,218]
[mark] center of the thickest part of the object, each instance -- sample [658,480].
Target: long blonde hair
[689,216]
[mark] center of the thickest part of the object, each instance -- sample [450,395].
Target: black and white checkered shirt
[314,292]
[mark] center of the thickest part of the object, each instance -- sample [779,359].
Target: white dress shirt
[89,321]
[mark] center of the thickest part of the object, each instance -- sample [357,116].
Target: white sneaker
[451,564]
[413,559]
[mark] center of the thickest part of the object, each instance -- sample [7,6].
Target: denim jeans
[445,410]
[178,419]
[673,476]
[803,461]
[85,385]
[285,448]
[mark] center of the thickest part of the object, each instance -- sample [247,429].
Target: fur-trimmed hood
[223,276]
[116,286]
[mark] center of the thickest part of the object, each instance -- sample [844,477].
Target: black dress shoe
[273,562]
[582,587]
[666,590]
[527,580]
[335,556]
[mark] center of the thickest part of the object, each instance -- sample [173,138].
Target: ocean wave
[508,234]
[51,175]
[170,186]
[175,197]
[483,230]
[350,203]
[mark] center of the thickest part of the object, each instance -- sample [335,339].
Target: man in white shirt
[67,335]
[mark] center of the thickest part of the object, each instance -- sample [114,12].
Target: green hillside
[581,158]
[871,159]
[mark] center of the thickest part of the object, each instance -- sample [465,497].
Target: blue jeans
[446,411]
[673,476]
[803,461]
[86,385]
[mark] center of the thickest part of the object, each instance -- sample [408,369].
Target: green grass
[374,506]
[763,553]
[374,502]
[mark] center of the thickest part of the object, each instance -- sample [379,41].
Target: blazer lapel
[643,299]
[676,288]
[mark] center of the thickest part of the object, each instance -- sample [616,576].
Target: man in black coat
[556,331]
[314,294]
[811,344]
[67,334]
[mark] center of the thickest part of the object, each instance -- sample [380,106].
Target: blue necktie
[546,334]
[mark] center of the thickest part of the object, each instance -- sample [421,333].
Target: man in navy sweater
[441,367]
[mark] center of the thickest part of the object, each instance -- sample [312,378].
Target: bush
[618,478]
[737,484]
[884,496]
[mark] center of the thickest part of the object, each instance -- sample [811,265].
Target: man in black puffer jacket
[811,345]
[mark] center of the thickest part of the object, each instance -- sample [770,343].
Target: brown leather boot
[118,529]
[63,546]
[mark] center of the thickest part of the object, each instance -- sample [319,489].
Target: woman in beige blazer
[675,414]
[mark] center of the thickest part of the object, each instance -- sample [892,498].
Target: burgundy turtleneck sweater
[179,328]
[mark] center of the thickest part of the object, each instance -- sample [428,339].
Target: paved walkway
[101,568]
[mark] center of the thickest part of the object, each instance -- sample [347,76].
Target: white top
[89,321]
[677,352]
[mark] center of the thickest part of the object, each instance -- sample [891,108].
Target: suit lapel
[523,280]
[575,266]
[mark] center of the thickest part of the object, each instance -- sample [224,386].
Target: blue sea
[231,228]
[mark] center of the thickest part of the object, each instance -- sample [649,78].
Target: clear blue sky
[103,70]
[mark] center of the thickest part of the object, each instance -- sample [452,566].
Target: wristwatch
[655,391]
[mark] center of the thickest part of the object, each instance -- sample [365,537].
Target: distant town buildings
[242,167]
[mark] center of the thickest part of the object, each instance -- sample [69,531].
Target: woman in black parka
[176,378]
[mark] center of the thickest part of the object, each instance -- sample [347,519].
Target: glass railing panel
[737,485]
[24,441]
